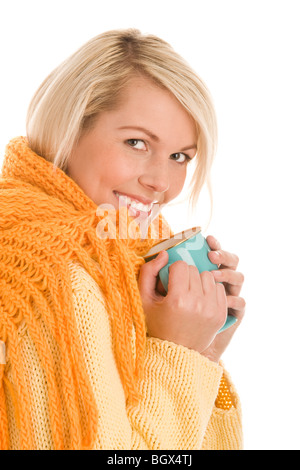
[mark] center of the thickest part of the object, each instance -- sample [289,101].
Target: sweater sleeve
[179,387]
[224,430]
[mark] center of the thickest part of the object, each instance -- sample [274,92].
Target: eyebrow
[154,137]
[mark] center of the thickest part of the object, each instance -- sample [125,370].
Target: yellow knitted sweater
[181,400]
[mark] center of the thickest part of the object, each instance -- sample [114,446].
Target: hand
[192,311]
[233,282]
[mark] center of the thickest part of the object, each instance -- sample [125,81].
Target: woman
[96,356]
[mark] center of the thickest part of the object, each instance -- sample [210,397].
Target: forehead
[143,103]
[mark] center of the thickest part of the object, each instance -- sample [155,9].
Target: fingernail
[217,242]
[216,253]
[217,273]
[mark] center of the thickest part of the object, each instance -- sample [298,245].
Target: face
[138,153]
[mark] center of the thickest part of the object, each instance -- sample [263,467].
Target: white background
[248,54]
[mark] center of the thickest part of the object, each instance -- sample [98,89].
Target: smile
[136,208]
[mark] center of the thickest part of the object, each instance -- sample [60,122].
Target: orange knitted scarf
[46,220]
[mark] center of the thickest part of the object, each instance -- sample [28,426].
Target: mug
[189,246]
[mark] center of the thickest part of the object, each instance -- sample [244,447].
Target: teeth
[139,206]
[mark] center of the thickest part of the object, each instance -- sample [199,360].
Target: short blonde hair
[91,81]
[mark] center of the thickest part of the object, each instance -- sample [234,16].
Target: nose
[156,176]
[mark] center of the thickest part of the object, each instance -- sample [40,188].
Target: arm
[179,390]
[179,387]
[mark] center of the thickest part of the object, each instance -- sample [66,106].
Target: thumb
[159,262]
[149,273]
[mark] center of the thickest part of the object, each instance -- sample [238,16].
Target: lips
[138,199]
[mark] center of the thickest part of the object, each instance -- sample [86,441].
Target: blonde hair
[91,81]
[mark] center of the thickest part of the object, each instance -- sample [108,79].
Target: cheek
[176,183]
[115,169]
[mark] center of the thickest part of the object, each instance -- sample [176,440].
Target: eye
[184,157]
[137,144]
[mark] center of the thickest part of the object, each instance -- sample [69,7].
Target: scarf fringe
[46,221]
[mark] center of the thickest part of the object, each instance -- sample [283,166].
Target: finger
[229,275]
[232,290]
[195,280]
[234,280]
[221,297]
[178,277]
[224,259]
[208,282]
[149,272]
[236,304]
[213,243]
